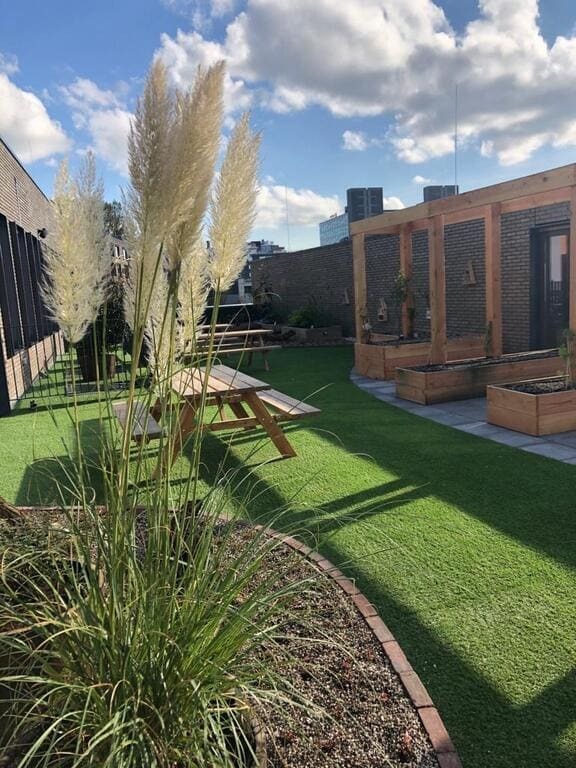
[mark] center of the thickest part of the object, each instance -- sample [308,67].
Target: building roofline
[15,156]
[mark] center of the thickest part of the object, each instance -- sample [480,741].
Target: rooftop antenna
[287,218]
[456,136]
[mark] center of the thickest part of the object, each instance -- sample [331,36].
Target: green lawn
[467,547]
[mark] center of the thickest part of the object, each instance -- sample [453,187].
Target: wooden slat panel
[492,250]
[143,426]
[437,290]
[524,203]
[359,266]
[286,404]
[233,378]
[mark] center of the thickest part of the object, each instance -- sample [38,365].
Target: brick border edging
[429,716]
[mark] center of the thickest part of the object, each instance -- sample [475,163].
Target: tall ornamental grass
[130,641]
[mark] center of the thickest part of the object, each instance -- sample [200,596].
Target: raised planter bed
[469,378]
[380,360]
[538,407]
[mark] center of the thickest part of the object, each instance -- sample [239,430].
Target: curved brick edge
[414,687]
[429,716]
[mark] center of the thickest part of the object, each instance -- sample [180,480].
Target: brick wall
[322,276]
[326,273]
[465,278]
[516,229]
[382,268]
[20,199]
[420,282]
[22,202]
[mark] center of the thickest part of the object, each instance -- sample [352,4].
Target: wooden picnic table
[253,404]
[238,341]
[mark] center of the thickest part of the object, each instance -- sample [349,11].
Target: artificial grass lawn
[467,547]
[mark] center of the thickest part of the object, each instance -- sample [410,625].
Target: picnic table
[229,340]
[253,403]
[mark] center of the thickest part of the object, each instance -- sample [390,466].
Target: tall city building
[439,191]
[361,203]
[334,229]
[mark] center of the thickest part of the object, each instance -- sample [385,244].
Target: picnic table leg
[184,426]
[266,419]
[240,412]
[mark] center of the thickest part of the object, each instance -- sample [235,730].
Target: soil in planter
[540,387]
[482,362]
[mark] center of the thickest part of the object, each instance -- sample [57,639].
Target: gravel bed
[541,387]
[345,706]
[481,362]
[350,708]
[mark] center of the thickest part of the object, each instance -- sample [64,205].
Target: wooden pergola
[489,204]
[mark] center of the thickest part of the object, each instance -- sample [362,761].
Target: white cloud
[392,203]
[102,115]
[26,125]
[421,180]
[354,141]
[8,63]
[305,207]
[184,53]
[515,90]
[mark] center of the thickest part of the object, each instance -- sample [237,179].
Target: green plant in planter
[400,294]
[309,316]
[568,353]
[150,660]
[96,351]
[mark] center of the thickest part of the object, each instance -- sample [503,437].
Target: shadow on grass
[52,481]
[488,728]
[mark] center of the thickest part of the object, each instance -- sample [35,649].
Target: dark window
[35,266]
[9,294]
[24,283]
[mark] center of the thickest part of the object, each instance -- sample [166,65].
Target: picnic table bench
[253,403]
[238,341]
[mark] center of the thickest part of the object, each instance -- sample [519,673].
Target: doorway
[550,286]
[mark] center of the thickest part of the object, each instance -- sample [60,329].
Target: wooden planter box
[380,361]
[469,378]
[542,414]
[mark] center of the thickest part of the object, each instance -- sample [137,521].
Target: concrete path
[470,416]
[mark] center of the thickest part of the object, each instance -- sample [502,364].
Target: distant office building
[361,203]
[438,192]
[241,291]
[334,230]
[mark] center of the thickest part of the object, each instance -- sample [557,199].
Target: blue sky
[346,94]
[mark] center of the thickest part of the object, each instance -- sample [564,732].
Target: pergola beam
[492,259]
[572,260]
[359,271]
[437,279]
[532,190]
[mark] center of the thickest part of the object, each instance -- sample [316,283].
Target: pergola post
[406,269]
[492,258]
[359,271]
[437,279]
[572,258]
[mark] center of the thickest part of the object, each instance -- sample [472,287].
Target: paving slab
[470,416]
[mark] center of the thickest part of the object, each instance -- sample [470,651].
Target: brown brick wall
[22,202]
[322,276]
[325,273]
[20,199]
